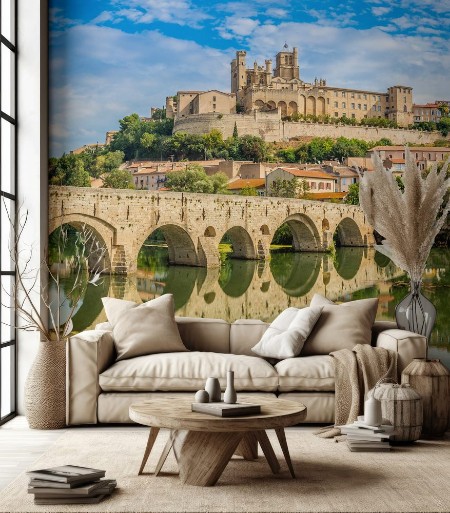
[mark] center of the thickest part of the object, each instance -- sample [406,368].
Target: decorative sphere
[202,396]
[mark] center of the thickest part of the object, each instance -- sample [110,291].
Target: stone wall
[269,126]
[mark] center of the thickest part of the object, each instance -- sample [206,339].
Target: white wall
[32,146]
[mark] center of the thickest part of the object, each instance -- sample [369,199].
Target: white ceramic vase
[230,396]
[212,386]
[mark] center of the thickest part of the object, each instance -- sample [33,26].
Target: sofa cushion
[188,372]
[204,334]
[145,329]
[309,373]
[340,326]
[244,334]
[286,335]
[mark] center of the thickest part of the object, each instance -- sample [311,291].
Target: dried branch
[26,301]
[408,221]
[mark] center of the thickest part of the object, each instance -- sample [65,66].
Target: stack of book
[362,438]
[227,410]
[69,484]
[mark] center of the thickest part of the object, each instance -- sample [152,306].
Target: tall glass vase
[415,312]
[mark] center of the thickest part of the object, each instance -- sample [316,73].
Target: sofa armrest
[407,344]
[88,354]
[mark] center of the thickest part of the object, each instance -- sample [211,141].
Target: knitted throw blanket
[356,372]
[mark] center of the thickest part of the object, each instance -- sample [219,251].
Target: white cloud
[104,74]
[234,26]
[179,12]
[381,11]
[367,59]
[275,12]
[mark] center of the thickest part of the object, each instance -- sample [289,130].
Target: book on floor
[68,474]
[42,483]
[80,491]
[70,500]
[226,410]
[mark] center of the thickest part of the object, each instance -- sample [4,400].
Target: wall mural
[211,191]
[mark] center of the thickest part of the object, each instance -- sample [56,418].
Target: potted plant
[50,311]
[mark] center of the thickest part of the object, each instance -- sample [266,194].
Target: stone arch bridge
[194,224]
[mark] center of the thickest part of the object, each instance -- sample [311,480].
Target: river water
[261,290]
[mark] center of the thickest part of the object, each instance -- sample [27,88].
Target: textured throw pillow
[286,335]
[145,329]
[340,326]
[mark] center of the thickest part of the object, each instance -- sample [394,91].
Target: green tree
[320,148]
[444,126]
[148,141]
[118,179]
[192,179]
[235,131]
[303,190]
[248,191]
[220,183]
[68,170]
[106,163]
[159,114]
[344,148]
[284,188]
[287,155]
[252,148]
[352,196]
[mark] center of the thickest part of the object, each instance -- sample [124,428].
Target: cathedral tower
[287,64]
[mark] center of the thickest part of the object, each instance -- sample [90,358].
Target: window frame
[9,120]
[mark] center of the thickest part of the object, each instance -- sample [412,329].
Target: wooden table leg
[284,447]
[268,451]
[150,442]
[165,452]
[202,456]
[248,447]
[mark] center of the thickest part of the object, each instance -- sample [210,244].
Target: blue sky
[109,58]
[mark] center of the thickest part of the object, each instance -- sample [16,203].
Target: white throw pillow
[143,329]
[286,335]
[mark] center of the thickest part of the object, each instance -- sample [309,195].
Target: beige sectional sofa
[100,389]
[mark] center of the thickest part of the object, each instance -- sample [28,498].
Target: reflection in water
[261,290]
[296,273]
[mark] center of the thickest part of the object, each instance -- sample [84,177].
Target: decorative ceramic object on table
[201,396]
[402,407]
[430,378]
[212,386]
[372,410]
[230,396]
[409,222]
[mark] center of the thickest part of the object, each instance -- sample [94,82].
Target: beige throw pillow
[285,337]
[145,329]
[340,326]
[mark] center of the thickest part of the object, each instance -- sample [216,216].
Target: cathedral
[261,88]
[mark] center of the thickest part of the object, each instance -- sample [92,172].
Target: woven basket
[45,387]
[401,405]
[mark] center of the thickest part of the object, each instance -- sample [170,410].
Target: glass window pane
[8,16]
[6,230]
[8,80]
[6,310]
[7,358]
[8,156]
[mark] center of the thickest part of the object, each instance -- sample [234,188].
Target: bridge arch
[305,236]
[180,245]
[103,232]
[349,233]
[242,242]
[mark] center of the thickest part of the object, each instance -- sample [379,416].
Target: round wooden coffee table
[204,444]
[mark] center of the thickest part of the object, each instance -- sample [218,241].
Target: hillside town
[272,135]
